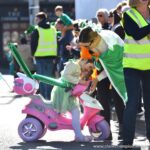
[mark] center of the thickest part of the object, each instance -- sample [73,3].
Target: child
[65,18]
[63,101]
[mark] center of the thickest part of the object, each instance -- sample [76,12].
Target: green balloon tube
[51,81]
[41,78]
[19,60]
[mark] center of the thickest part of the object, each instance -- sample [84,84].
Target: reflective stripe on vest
[132,41]
[138,56]
[137,52]
[47,43]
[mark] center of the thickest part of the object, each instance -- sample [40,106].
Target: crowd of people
[114,49]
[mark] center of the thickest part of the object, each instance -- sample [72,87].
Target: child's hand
[83,82]
[65,29]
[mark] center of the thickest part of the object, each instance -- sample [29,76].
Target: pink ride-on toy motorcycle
[41,116]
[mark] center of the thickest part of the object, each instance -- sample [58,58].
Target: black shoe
[120,137]
[110,137]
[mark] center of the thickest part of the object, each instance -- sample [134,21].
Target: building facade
[14,20]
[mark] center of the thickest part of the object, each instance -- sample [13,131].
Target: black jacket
[132,29]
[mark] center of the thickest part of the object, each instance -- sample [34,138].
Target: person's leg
[140,110]
[76,126]
[48,71]
[103,96]
[39,70]
[146,99]
[119,107]
[132,81]
[76,122]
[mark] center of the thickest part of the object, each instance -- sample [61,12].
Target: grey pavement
[10,115]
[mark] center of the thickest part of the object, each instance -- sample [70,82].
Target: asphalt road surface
[10,117]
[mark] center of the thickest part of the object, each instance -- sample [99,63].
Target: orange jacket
[85,54]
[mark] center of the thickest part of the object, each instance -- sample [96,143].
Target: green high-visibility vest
[47,43]
[137,52]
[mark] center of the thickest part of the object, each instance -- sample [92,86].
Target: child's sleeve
[71,73]
[66,19]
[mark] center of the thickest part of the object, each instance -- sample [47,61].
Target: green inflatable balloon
[30,29]
[41,78]
[19,60]
[51,81]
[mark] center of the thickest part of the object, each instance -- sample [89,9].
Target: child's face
[58,13]
[87,66]
[37,20]
[59,26]
[86,74]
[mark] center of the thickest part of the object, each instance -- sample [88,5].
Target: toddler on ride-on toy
[63,101]
[43,115]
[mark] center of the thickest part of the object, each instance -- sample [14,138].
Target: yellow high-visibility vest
[136,52]
[47,43]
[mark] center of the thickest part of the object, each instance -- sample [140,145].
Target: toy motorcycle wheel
[30,129]
[103,131]
[44,128]
[43,132]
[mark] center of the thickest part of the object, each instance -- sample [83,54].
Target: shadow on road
[44,145]
[11,100]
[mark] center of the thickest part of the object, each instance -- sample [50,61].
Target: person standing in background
[116,26]
[68,23]
[65,23]
[64,54]
[102,18]
[25,52]
[136,63]
[44,49]
[108,47]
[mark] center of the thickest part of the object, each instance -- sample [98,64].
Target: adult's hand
[69,47]
[93,85]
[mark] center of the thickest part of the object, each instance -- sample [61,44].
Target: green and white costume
[62,100]
[111,48]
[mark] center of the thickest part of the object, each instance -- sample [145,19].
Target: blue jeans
[133,79]
[45,67]
[61,64]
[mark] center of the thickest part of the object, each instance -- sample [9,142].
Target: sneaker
[83,139]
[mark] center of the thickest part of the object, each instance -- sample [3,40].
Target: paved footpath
[10,116]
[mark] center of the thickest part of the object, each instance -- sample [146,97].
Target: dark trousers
[105,95]
[45,67]
[134,79]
